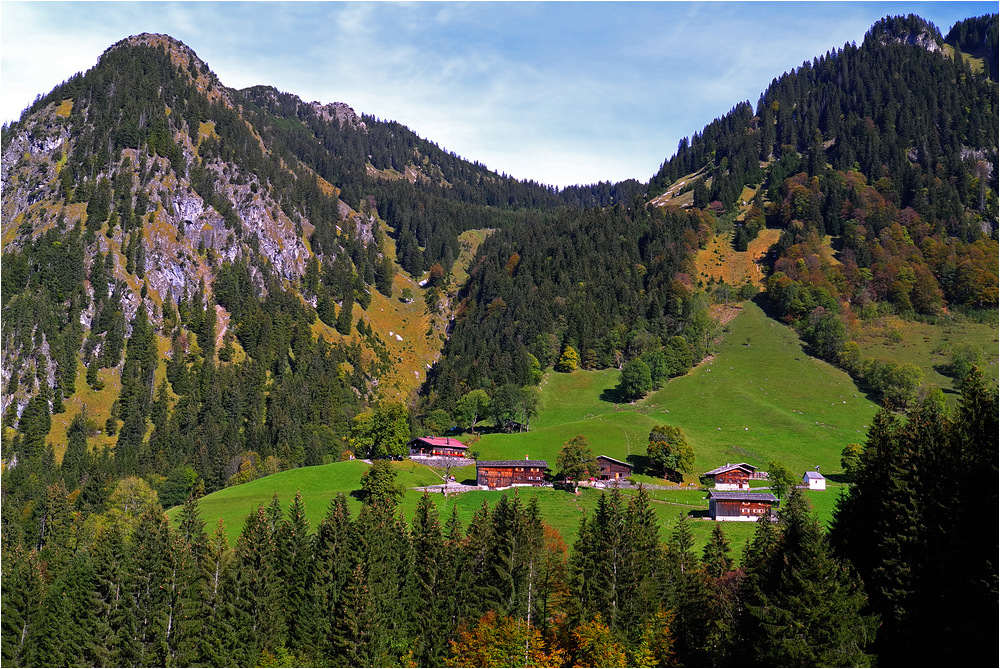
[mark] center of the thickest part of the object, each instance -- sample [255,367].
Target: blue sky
[559,92]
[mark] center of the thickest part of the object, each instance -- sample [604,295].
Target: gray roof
[727,467]
[604,457]
[813,475]
[512,463]
[743,495]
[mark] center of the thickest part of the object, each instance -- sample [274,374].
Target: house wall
[613,470]
[733,480]
[503,477]
[737,510]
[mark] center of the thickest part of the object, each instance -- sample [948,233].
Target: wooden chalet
[506,473]
[732,477]
[612,469]
[438,446]
[740,505]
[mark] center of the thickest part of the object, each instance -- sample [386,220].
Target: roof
[743,496]
[440,441]
[512,463]
[604,457]
[814,475]
[728,467]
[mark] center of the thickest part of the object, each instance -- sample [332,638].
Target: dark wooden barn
[506,473]
[612,469]
[740,505]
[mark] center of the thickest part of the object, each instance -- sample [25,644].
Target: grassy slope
[720,261]
[742,406]
[929,346]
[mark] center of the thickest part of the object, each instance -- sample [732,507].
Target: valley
[745,405]
[227,312]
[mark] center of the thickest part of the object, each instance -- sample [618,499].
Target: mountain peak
[910,29]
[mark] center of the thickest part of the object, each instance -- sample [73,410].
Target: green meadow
[761,398]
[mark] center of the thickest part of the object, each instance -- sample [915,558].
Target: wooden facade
[506,473]
[737,505]
[438,446]
[612,469]
[732,477]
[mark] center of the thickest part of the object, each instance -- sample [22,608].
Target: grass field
[760,398]
[929,346]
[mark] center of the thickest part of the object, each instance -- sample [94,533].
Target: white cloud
[561,93]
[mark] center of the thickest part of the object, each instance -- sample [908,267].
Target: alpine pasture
[760,398]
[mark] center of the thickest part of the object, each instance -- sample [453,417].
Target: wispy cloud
[558,92]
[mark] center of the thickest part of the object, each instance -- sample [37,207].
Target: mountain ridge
[202,203]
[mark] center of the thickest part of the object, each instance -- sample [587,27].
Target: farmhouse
[613,469]
[740,505]
[438,446]
[814,481]
[506,473]
[732,477]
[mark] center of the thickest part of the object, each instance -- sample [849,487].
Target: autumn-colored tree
[502,641]
[568,361]
[595,645]
[435,277]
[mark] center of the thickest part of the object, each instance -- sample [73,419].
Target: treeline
[908,526]
[978,37]
[607,283]
[447,196]
[905,576]
[124,588]
[890,111]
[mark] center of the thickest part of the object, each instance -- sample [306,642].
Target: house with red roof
[438,447]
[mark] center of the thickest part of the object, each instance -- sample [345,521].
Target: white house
[814,481]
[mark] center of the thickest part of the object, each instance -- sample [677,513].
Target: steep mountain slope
[873,169]
[877,164]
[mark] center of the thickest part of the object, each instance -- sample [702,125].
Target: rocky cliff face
[185,231]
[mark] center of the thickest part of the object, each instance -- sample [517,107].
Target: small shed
[612,469]
[732,477]
[739,505]
[507,473]
[438,446]
[814,481]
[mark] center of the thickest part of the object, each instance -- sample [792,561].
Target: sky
[559,92]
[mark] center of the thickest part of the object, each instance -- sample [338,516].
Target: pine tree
[431,584]
[715,555]
[808,609]
[255,608]
[333,563]
[294,557]
[22,596]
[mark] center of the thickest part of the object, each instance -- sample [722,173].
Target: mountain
[203,286]
[248,223]
[875,163]
[165,236]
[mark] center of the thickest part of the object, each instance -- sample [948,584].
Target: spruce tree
[431,585]
[294,557]
[807,608]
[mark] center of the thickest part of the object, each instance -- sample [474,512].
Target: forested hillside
[203,286]
[170,243]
